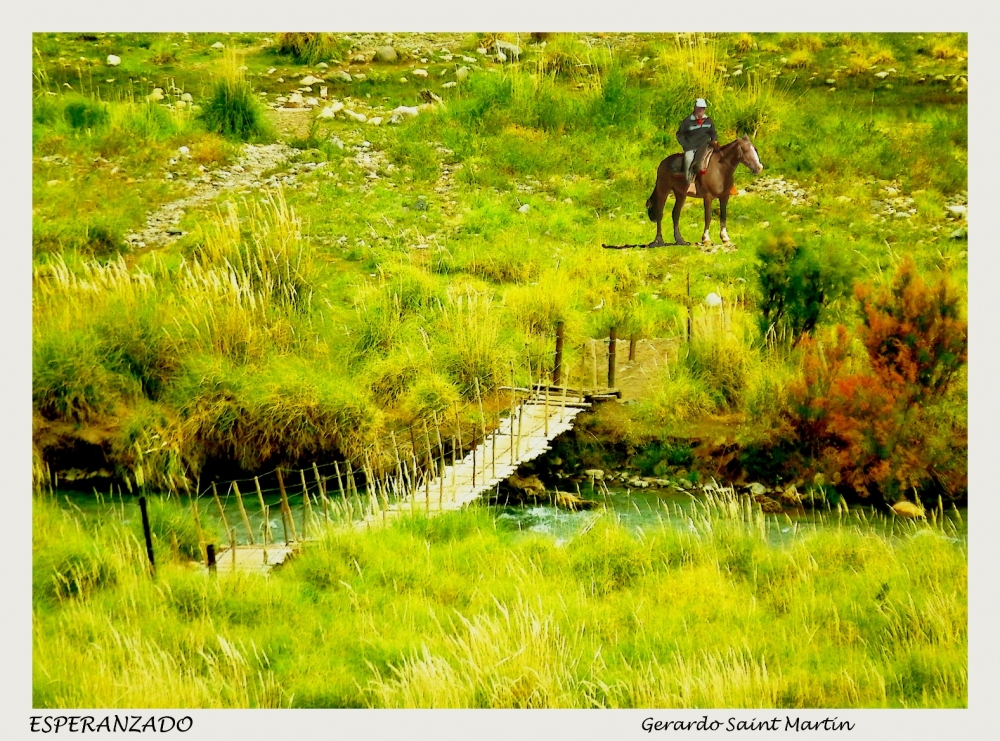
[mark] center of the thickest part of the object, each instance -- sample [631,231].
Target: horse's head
[748,155]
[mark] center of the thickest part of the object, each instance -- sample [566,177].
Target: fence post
[612,348]
[631,346]
[287,520]
[210,557]
[689,308]
[147,534]
[243,514]
[557,370]
[218,503]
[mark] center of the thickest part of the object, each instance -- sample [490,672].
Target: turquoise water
[637,510]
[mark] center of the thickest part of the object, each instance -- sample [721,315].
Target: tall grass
[707,612]
[233,109]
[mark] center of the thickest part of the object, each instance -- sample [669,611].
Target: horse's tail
[654,213]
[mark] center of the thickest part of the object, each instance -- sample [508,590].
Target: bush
[880,427]
[234,111]
[82,113]
[307,48]
[797,281]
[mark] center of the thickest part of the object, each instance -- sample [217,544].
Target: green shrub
[82,113]
[797,281]
[308,48]
[235,112]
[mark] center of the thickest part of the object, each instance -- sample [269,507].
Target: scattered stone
[187,98]
[343,76]
[525,209]
[156,95]
[713,299]
[403,111]
[908,510]
[184,151]
[218,45]
[323,65]
[595,473]
[959,210]
[462,73]
[375,120]
[309,80]
[386,54]
[500,57]
[357,117]
[359,76]
[113,61]
[419,72]
[565,500]
[295,100]
[757,489]
[882,75]
[449,84]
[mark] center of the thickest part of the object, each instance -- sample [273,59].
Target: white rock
[419,72]
[450,84]
[959,210]
[500,57]
[403,111]
[323,65]
[462,73]
[272,70]
[187,98]
[481,50]
[525,208]
[468,60]
[360,76]
[218,45]
[345,76]
[326,113]
[323,91]
[375,120]
[403,79]
[296,99]
[358,117]
[713,299]
[157,94]
[114,61]
[309,80]
[882,75]
[184,151]
[597,473]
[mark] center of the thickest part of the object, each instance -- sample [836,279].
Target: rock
[500,57]
[419,72]
[565,500]
[357,117]
[525,209]
[449,84]
[359,76]
[184,151]
[386,54]
[187,98]
[530,485]
[768,505]
[881,75]
[909,510]
[790,496]
[959,210]
[323,91]
[343,76]
[595,473]
[312,102]
[757,489]
[375,120]
[295,100]
[323,65]
[113,61]
[713,299]
[960,233]
[403,111]
[156,95]
[309,80]
[218,45]
[462,73]
[331,110]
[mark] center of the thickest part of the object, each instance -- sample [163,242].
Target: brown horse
[717,182]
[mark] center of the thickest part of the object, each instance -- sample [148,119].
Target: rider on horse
[697,135]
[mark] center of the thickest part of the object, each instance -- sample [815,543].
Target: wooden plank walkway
[520,437]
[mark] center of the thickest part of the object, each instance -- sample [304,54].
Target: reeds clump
[233,110]
[306,48]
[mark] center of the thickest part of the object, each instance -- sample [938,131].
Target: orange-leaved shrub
[892,418]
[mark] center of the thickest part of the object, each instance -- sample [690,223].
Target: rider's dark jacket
[692,133]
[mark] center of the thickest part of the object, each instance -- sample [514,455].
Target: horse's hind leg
[654,207]
[723,202]
[679,197]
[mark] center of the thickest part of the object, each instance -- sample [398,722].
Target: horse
[717,182]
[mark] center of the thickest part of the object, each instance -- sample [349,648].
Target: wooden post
[454,465]
[218,503]
[264,511]
[243,514]
[430,463]
[513,409]
[557,368]
[631,346]
[307,523]
[321,487]
[546,410]
[210,557]
[147,534]
[340,487]
[286,510]
[612,349]
[437,429]
[232,546]
[395,450]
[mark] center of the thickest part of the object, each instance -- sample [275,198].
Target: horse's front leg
[723,203]
[705,238]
